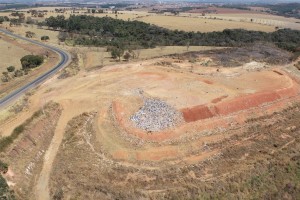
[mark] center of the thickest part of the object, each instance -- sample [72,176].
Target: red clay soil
[245,102]
[235,105]
[208,82]
[196,113]
[206,124]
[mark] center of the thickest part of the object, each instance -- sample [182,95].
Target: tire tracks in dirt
[42,191]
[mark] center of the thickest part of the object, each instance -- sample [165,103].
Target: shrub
[18,73]
[117,53]
[3,167]
[45,37]
[127,56]
[11,69]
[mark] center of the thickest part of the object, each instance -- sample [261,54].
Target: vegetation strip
[106,31]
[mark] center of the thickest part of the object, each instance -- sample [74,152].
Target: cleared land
[218,105]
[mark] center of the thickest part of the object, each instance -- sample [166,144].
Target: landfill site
[164,127]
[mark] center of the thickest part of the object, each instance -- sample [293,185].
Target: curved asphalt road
[65,58]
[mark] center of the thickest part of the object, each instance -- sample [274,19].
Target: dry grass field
[21,30]
[202,24]
[194,21]
[10,55]
[95,57]
[21,48]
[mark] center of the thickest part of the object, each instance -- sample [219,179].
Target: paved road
[65,58]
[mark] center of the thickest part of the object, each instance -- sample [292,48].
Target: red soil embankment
[238,104]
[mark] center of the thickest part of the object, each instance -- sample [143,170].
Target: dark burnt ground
[237,56]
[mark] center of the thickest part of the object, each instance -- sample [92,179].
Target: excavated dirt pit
[215,106]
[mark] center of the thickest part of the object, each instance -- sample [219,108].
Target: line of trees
[106,31]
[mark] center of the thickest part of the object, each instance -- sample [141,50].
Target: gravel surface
[156,115]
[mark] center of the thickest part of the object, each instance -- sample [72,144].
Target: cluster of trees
[31,61]
[285,9]
[28,62]
[11,73]
[17,21]
[106,31]
[3,19]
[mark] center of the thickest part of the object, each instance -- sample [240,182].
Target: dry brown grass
[202,24]
[21,30]
[10,55]
[93,57]
[192,21]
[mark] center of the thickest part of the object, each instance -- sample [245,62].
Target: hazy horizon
[119,1]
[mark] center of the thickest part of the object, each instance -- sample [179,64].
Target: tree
[29,20]
[18,73]
[127,56]
[11,69]
[45,38]
[62,36]
[30,34]
[3,167]
[6,18]
[2,20]
[187,45]
[5,77]
[117,53]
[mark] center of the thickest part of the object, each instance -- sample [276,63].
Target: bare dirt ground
[97,148]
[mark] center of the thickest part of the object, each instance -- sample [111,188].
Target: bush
[11,69]
[127,56]
[117,53]
[18,73]
[45,37]
[31,61]
[3,167]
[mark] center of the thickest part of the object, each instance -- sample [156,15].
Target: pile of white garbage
[156,115]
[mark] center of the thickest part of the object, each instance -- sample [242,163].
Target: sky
[229,1]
